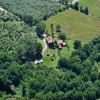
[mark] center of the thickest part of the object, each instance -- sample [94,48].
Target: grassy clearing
[76,25]
[64,53]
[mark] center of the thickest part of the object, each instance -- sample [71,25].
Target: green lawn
[76,25]
[64,53]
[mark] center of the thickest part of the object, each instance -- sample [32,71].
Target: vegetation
[62,36]
[75,25]
[77,44]
[38,9]
[93,6]
[41,28]
[12,32]
[74,78]
[30,69]
[17,46]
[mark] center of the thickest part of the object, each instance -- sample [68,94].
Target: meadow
[76,25]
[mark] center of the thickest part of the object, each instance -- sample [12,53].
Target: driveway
[45,46]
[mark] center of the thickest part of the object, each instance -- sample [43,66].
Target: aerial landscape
[49,49]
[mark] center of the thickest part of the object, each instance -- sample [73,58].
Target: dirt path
[45,46]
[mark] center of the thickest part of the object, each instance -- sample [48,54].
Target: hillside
[35,8]
[12,31]
[76,25]
[49,50]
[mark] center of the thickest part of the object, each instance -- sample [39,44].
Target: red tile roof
[49,39]
[60,42]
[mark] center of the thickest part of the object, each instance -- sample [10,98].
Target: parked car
[38,61]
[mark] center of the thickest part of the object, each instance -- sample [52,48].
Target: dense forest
[76,77]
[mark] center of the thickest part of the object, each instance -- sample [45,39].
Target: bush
[40,28]
[62,36]
[77,44]
[28,20]
[64,63]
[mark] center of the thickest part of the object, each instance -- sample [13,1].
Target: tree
[76,68]
[58,28]
[50,85]
[28,20]
[75,6]
[6,17]
[52,30]
[33,50]
[40,96]
[68,95]
[86,11]
[36,21]
[64,63]
[5,83]
[80,8]
[93,76]
[77,95]
[97,84]
[14,73]
[65,2]
[85,77]
[45,17]
[32,90]
[29,51]
[97,57]
[40,28]
[62,36]
[90,93]
[77,44]
[50,96]
[23,90]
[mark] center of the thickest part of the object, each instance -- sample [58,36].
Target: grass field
[93,5]
[76,25]
[64,53]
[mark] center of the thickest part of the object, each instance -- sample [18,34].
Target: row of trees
[84,10]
